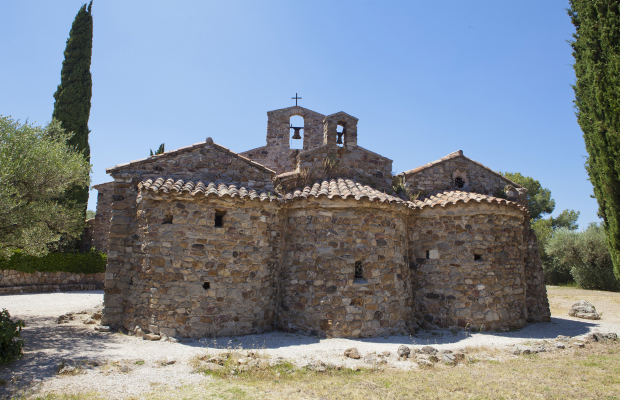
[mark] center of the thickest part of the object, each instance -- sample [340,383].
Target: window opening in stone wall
[428,254]
[341,132]
[219,218]
[459,182]
[167,219]
[359,271]
[477,257]
[297,132]
[206,285]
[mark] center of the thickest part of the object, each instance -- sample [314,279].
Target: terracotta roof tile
[343,188]
[447,197]
[180,187]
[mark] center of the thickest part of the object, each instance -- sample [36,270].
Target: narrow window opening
[459,182]
[477,257]
[206,285]
[341,131]
[297,132]
[167,219]
[428,254]
[219,218]
[359,271]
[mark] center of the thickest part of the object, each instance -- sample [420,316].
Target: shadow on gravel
[47,344]
[279,340]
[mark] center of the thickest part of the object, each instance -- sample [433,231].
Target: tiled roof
[451,156]
[447,197]
[208,189]
[343,188]
[208,143]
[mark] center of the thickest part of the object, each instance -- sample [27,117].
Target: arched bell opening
[297,132]
[341,132]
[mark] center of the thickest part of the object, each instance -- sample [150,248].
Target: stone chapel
[324,240]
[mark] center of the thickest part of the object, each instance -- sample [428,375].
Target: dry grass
[561,298]
[589,373]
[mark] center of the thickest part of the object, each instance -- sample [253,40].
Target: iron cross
[296,98]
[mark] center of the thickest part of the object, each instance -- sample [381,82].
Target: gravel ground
[124,366]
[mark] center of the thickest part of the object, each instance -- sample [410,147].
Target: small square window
[359,271]
[477,257]
[219,218]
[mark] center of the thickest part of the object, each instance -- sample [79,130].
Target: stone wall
[101,226]
[442,175]
[12,282]
[324,240]
[469,266]
[277,154]
[537,302]
[352,162]
[195,279]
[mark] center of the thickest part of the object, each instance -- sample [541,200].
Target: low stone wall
[12,282]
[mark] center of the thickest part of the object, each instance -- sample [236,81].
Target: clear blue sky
[492,78]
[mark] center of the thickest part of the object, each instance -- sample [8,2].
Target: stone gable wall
[441,177]
[451,287]
[208,163]
[324,239]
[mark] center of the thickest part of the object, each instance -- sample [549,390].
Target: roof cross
[296,98]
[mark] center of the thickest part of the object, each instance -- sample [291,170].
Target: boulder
[583,309]
[602,337]
[428,350]
[448,358]
[403,351]
[352,353]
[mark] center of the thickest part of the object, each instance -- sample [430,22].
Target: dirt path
[124,366]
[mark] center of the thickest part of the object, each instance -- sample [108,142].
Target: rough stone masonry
[205,242]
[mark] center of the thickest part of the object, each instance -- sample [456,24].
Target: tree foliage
[73,95]
[539,199]
[36,168]
[586,256]
[160,150]
[596,49]
[11,344]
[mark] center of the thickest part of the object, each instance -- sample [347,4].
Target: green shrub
[11,343]
[586,255]
[86,263]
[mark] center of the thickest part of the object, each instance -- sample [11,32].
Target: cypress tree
[596,48]
[72,105]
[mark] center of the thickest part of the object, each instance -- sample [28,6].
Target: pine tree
[72,105]
[596,48]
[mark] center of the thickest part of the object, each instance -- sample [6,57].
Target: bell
[296,135]
[339,141]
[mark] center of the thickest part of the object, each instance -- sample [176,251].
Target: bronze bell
[296,135]
[339,141]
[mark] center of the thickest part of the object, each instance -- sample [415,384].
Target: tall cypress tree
[596,48]
[72,105]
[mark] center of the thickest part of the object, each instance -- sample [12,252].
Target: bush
[586,255]
[87,263]
[11,343]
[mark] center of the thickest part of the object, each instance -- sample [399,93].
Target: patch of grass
[140,362]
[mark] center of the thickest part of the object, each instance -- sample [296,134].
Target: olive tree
[36,168]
